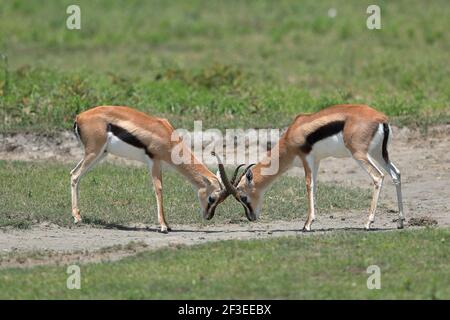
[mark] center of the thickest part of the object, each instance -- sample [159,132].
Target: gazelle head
[215,191]
[242,188]
[211,196]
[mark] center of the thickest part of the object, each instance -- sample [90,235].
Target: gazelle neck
[262,171]
[194,170]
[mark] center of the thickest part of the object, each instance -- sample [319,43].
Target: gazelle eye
[244,199]
[211,199]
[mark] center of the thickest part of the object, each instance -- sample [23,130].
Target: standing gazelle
[339,131]
[129,133]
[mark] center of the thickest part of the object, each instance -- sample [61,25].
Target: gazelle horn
[229,188]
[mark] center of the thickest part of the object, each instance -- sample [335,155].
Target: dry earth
[424,162]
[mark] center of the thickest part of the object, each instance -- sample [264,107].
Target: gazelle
[340,131]
[131,134]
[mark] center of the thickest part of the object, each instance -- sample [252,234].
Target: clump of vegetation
[216,76]
[238,64]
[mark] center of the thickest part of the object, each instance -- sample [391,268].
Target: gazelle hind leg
[155,170]
[77,166]
[377,176]
[392,170]
[398,187]
[89,160]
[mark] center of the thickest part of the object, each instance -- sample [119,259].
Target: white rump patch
[377,140]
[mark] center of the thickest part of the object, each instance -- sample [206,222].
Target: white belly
[122,149]
[332,146]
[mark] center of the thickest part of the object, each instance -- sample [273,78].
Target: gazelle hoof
[164,230]
[306,229]
[400,224]
[76,215]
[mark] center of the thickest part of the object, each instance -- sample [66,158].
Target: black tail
[76,130]
[385,142]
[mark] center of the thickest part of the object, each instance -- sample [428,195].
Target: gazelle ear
[249,176]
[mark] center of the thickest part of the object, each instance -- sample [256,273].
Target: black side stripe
[385,141]
[321,133]
[128,137]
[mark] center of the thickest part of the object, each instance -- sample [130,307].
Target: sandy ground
[424,163]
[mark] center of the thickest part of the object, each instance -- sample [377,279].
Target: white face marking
[332,146]
[122,149]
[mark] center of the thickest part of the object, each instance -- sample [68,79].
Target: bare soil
[423,161]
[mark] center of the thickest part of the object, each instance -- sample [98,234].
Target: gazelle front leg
[311,168]
[155,169]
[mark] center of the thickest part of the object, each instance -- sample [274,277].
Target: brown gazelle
[340,131]
[129,133]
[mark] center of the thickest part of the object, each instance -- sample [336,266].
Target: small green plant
[4,84]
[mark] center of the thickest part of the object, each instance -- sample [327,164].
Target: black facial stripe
[321,133]
[247,205]
[211,207]
[128,137]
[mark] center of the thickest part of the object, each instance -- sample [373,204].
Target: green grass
[225,62]
[414,264]
[36,192]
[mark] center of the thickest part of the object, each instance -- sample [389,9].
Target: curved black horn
[228,186]
[244,172]
[233,179]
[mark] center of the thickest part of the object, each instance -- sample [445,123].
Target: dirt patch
[62,147]
[25,259]
[424,163]
[422,222]
[52,244]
